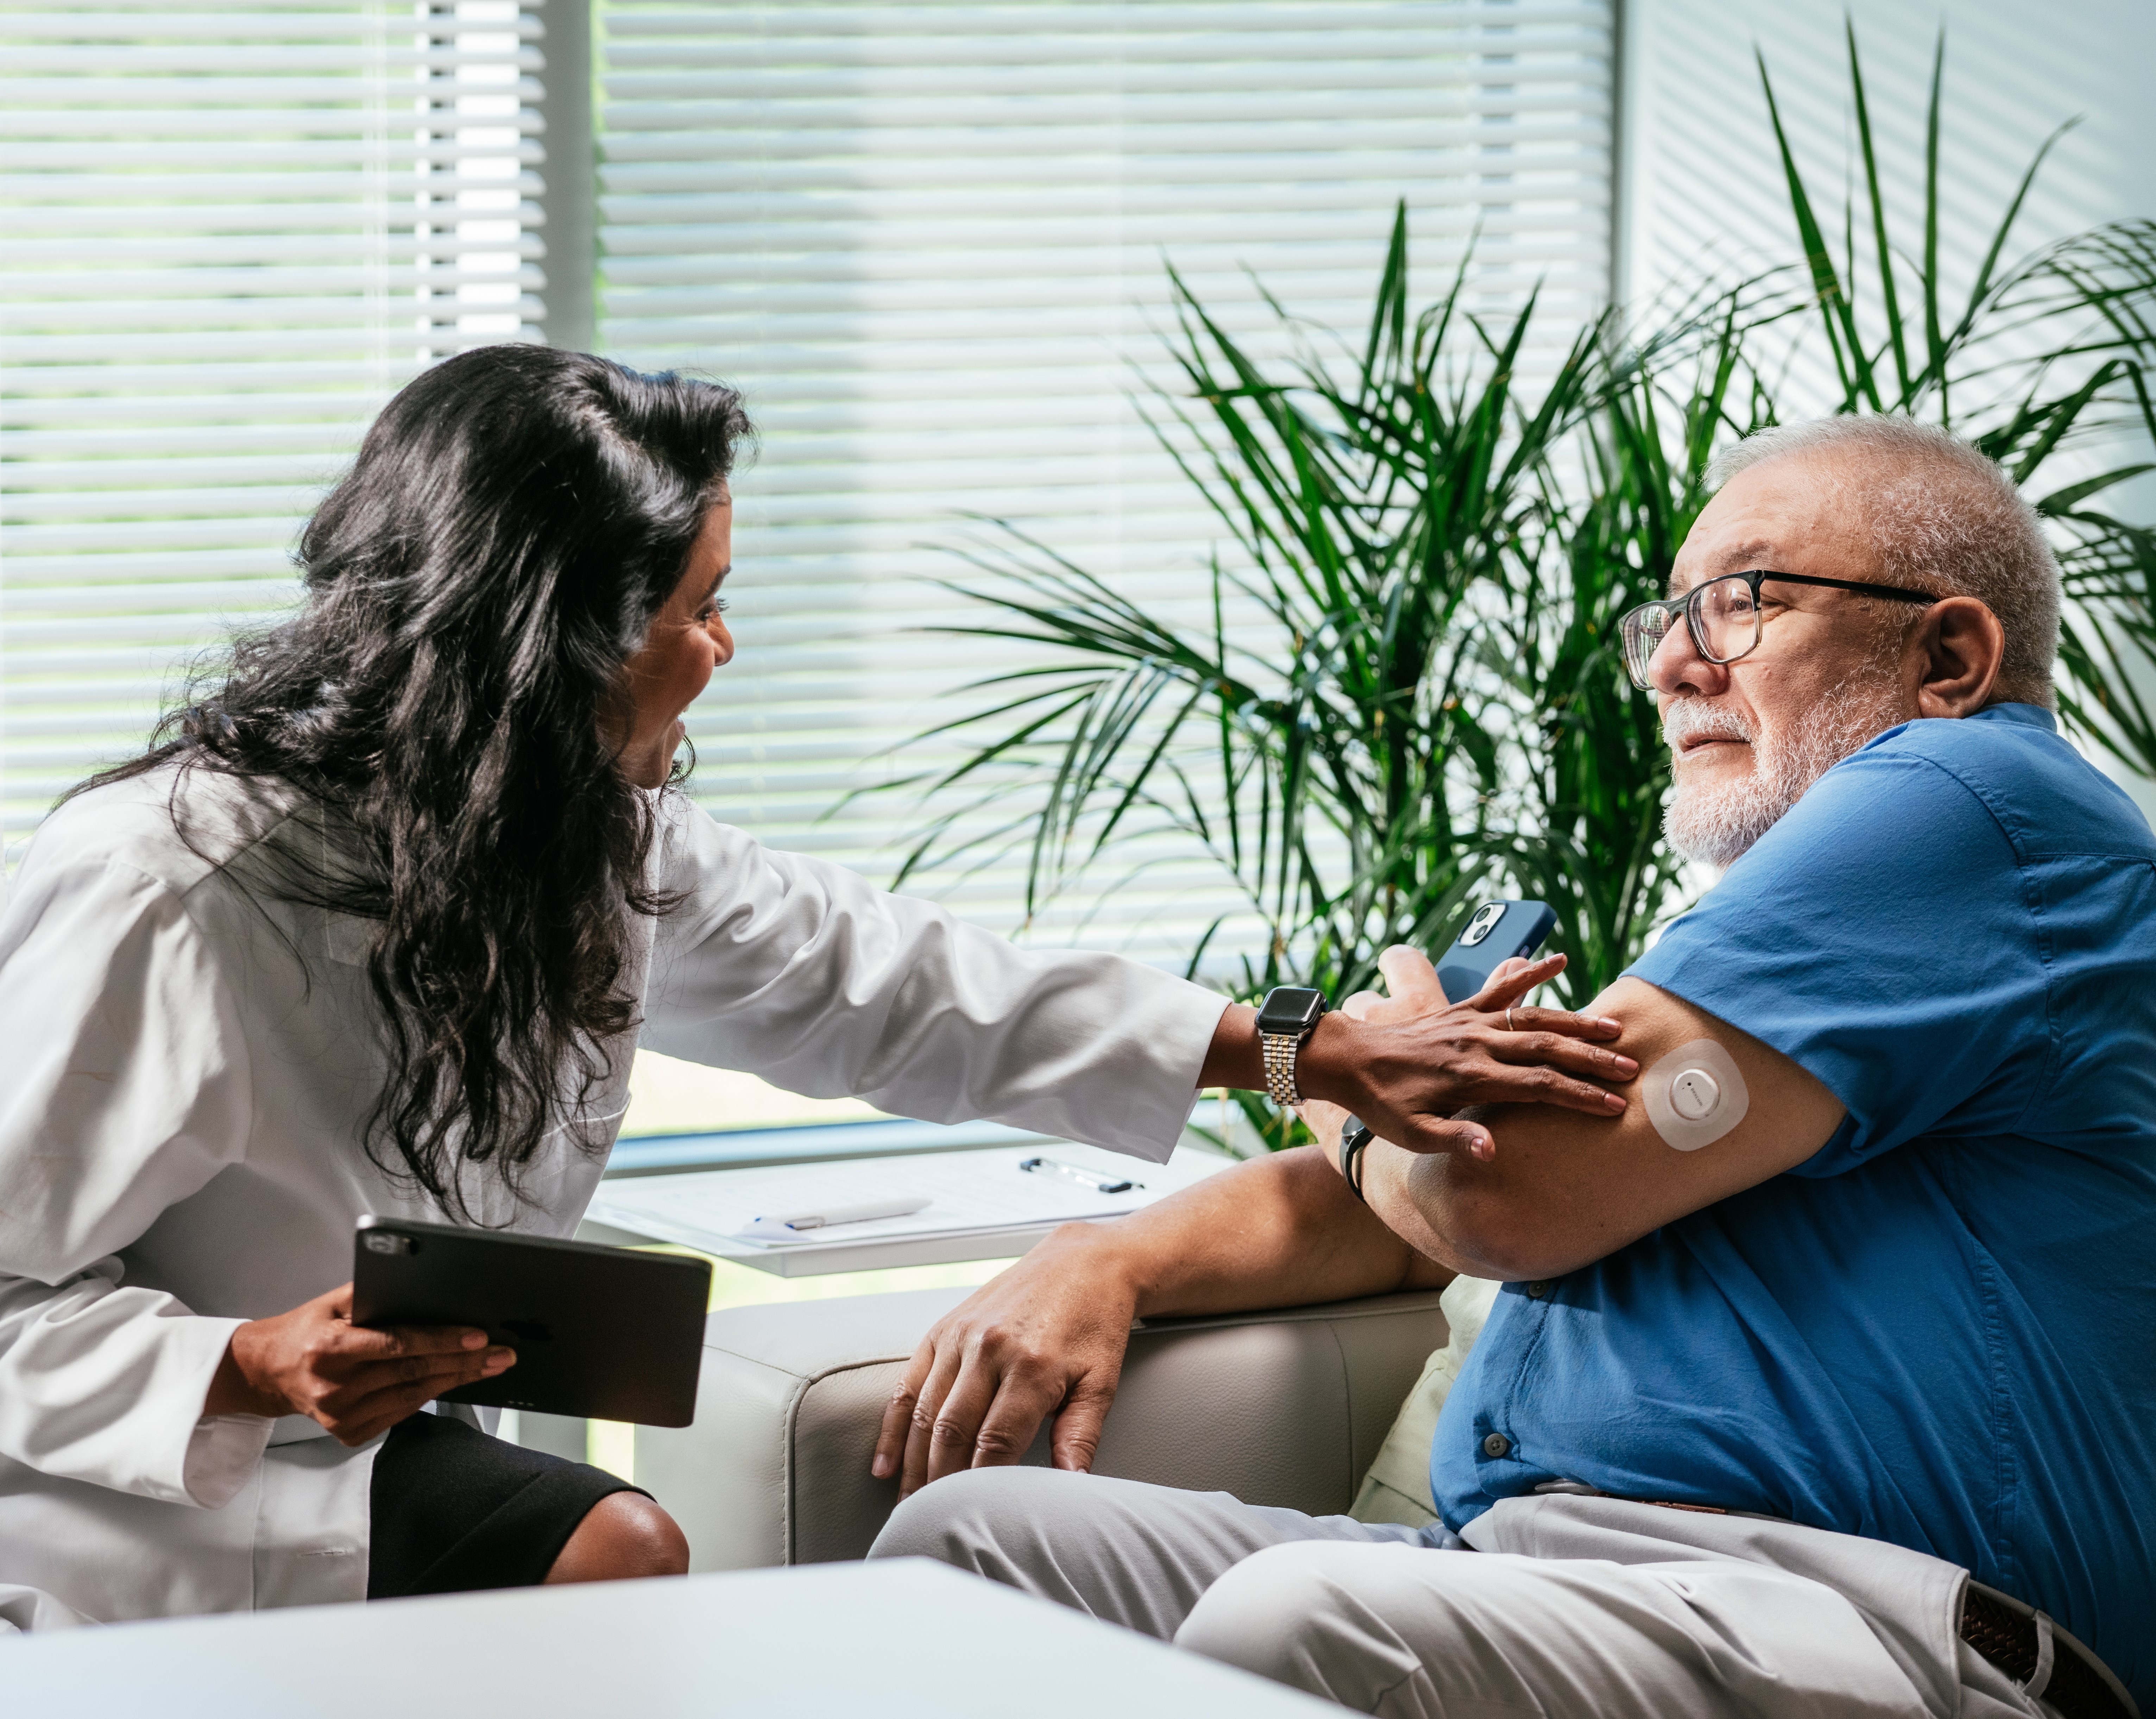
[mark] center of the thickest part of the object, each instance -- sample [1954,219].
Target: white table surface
[887,1640]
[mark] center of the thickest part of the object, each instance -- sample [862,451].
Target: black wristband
[1354,1135]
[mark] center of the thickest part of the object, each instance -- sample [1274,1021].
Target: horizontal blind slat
[232,233]
[929,242]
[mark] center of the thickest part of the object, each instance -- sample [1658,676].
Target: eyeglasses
[1723,616]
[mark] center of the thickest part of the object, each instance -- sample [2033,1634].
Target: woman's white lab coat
[183,1071]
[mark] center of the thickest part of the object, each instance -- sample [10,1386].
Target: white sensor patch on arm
[1695,1095]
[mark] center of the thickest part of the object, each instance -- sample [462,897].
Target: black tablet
[610,1333]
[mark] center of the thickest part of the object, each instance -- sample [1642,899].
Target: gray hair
[1942,517]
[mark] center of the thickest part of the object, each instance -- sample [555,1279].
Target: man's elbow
[1489,1233]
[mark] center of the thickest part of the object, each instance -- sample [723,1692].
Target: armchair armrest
[1283,1408]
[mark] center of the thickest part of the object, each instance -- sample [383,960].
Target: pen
[831,1215]
[1070,1172]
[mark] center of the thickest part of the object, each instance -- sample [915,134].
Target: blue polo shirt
[1940,1328]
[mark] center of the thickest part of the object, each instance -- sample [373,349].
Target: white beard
[1716,826]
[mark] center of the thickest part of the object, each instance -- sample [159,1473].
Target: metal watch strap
[1280,1050]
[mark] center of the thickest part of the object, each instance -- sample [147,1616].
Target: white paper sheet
[966,1191]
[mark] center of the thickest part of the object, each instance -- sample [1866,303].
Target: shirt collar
[2034,715]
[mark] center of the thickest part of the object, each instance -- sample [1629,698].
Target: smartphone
[1496,931]
[613,1334]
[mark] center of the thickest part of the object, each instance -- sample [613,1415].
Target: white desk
[822,1641]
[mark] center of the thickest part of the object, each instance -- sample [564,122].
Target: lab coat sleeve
[805,974]
[125,1090]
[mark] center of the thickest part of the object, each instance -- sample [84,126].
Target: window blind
[231,232]
[930,241]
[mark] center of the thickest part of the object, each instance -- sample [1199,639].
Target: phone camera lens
[1483,924]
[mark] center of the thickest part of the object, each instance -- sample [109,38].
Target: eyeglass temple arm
[1850,585]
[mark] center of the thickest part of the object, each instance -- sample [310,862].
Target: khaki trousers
[1559,1605]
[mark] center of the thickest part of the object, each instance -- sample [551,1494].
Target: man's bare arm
[1047,1337]
[1562,1189]
[1279,1232]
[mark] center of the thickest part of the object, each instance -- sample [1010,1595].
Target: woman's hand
[1045,1337]
[357,1382]
[1326,1119]
[1408,1063]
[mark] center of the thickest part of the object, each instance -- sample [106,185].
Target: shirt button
[1496,1444]
[1537,1289]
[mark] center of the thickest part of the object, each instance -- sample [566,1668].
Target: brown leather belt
[2007,1639]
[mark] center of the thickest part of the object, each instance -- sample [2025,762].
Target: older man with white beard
[1822,1378]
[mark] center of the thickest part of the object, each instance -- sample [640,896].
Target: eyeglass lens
[1727,617]
[1725,623]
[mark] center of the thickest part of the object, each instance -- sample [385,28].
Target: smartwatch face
[1291,1008]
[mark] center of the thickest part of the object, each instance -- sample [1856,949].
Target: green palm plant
[1366,516]
[1402,696]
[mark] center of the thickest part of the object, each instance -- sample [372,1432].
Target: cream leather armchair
[1286,1407]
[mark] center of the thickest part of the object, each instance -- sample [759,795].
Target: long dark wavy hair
[516,518]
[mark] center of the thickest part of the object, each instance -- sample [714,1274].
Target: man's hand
[357,1382]
[1048,1336]
[1045,1337]
[1410,1065]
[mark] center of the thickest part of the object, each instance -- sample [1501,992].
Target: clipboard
[980,1205]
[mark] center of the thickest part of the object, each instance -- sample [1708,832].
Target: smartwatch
[1288,1016]
[1355,1134]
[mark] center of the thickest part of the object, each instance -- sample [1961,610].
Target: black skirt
[452,1510]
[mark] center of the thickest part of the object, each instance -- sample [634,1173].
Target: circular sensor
[1694,1094]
